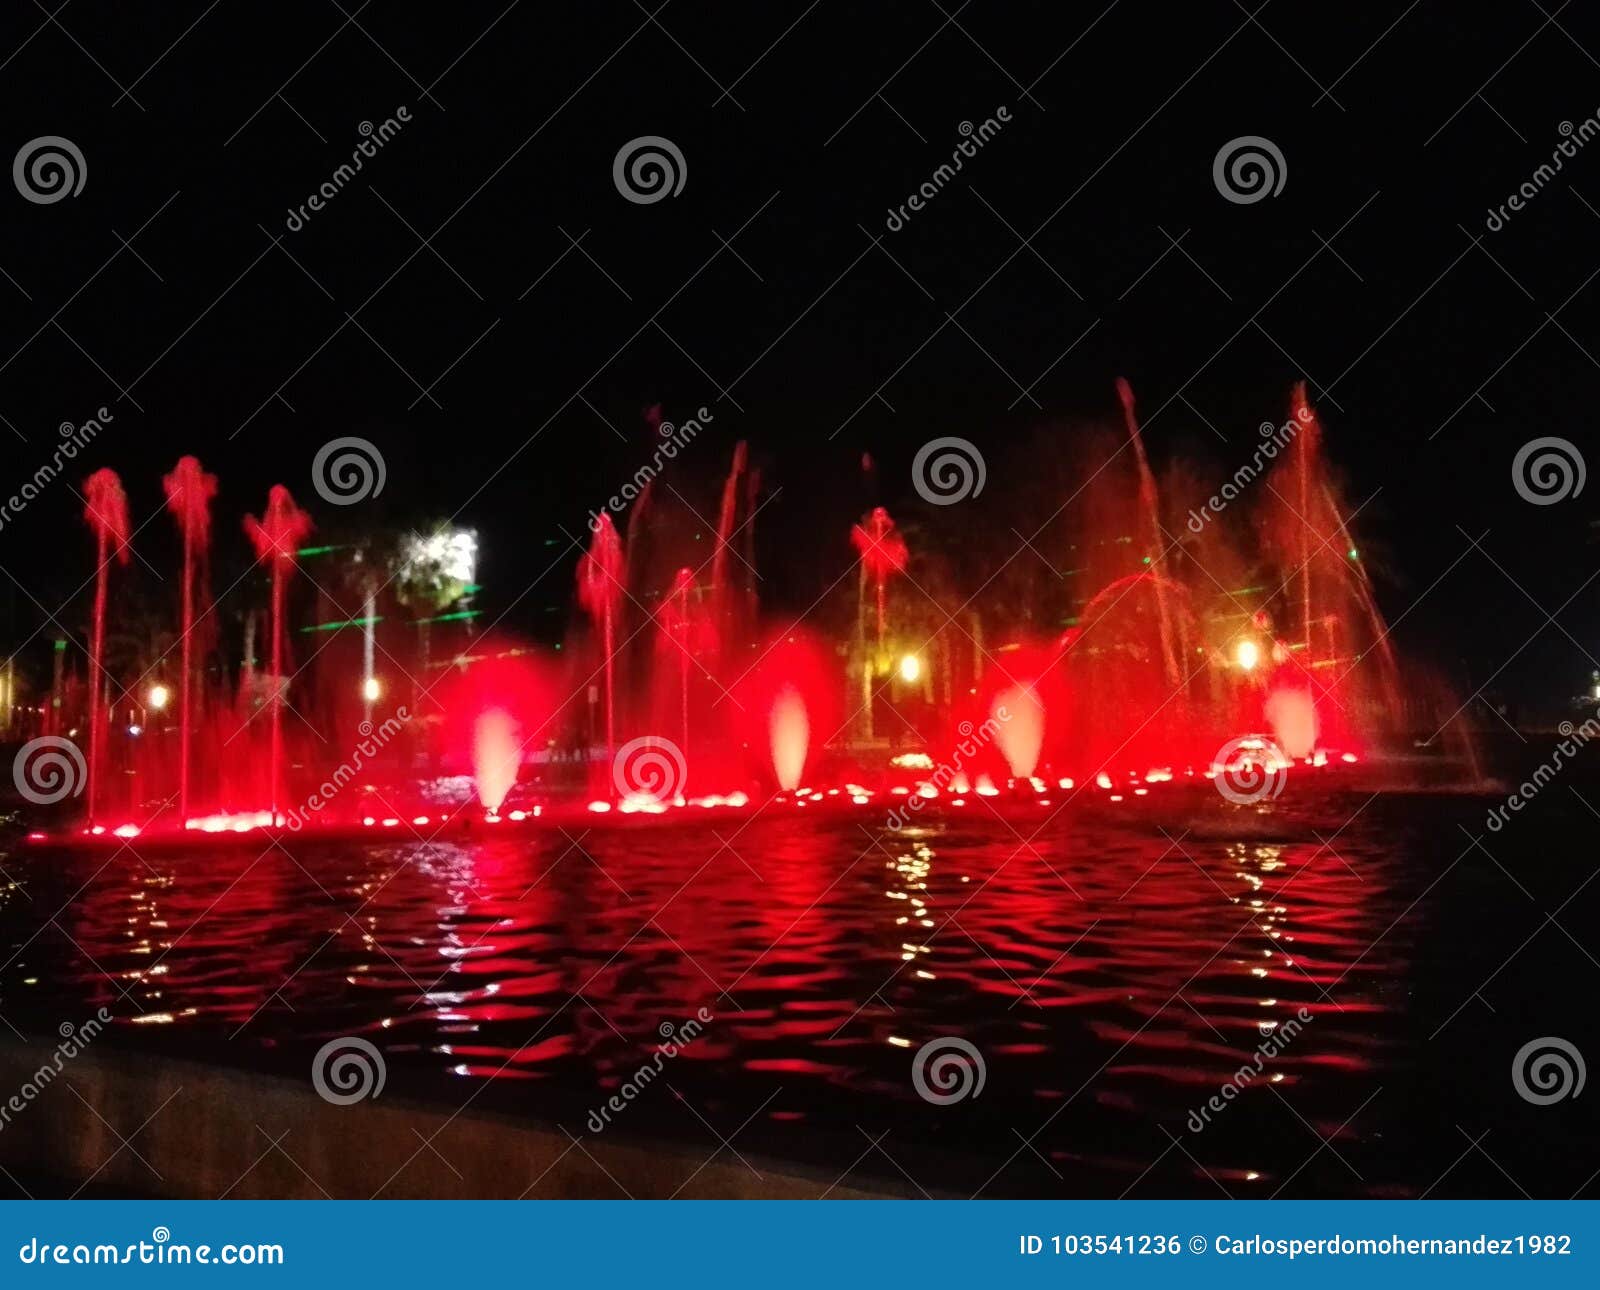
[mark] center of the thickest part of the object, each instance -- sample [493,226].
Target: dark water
[1112,973]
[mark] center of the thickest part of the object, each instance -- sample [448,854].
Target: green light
[61,647]
[346,622]
[1146,560]
[317,550]
[460,616]
[1353,553]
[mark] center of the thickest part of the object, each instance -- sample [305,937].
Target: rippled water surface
[1112,974]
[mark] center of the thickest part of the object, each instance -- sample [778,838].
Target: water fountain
[277,537]
[1158,665]
[883,553]
[189,492]
[676,638]
[106,509]
[600,589]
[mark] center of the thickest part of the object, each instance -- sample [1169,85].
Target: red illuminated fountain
[677,624]
[1150,519]
[600,592]
[277,536]
[883,552]
[1319,690]
[189,492]
[1134,674]
[107,513]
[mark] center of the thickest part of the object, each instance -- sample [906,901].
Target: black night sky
[483,305]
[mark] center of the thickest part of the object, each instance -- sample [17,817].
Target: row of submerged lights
[960,788]
[1246,655]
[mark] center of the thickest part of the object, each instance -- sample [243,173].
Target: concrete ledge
[138,1123]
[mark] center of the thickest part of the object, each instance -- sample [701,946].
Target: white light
[159,697]
[371,689]
[453,553]
[910,668]
[1247,655]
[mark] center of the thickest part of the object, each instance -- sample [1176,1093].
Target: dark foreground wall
[122,1122]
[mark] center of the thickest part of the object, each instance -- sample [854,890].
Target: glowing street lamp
[910,668]
[1246,654]
[160,696]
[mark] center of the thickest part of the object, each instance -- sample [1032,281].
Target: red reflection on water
[1095,955]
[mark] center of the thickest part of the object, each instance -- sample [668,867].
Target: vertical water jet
[277,536]
[189,492]
[106,510]
[600,592]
